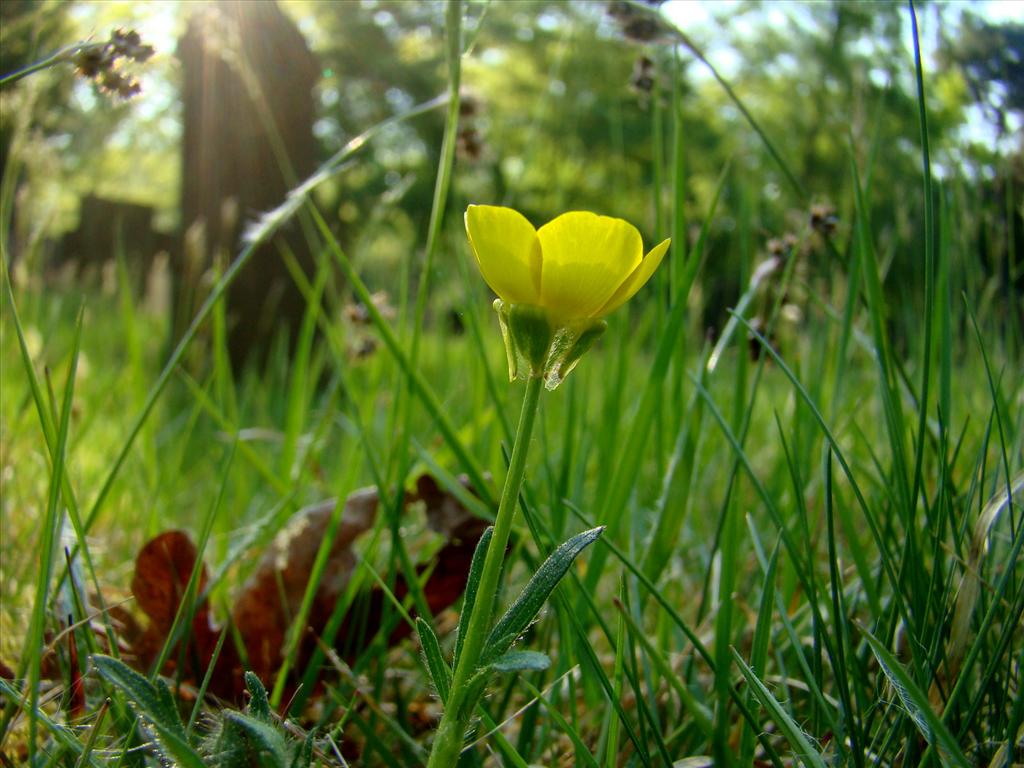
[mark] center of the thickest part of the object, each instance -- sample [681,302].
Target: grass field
[813,516]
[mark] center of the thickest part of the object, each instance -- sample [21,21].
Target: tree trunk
[248,77]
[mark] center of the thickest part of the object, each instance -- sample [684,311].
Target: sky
[701,18]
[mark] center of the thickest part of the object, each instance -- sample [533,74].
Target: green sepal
[510,353]
[537,346]
[568,346]
[527,334]
[531,334]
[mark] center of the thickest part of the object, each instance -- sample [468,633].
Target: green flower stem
[64,54]
[457,711]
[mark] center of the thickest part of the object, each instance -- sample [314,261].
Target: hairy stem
[448,742]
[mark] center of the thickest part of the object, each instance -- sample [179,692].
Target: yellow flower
[577,266]
[556,283]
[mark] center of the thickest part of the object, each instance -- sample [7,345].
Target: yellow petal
[507,251]
[636,281]
[585,258]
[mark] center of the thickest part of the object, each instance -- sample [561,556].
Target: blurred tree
[549,119]
[378,60]
[65,137]
[248,119]
[819,76]
[564,105]
[29,31]
[992,59]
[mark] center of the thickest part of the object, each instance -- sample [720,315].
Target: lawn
[773,516]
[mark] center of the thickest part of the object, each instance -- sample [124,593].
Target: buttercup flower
[556,283]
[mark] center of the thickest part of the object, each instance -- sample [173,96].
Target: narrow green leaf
[259,704]
[436,665]
[476,568]
[522,661]
[759,649]
[798,740]
[172,718]
[519,615]
[264,739]
[696,709]
[304,754]
[915,702]
[155,706]
[141,692]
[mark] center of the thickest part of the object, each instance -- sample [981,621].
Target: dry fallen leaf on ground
[272,595]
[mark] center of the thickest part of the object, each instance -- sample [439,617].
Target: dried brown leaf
[270,599]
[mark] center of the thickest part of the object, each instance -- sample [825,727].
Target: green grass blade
[615,502]
[883,347]
[612,743]
[297,629]
[929,263]
[797,739]
[182,624]
[696,709]
[886,558]
[840,626]
[582,752]
[759,651]
[915,702]
[49,538]
[63,735]
[296,404]
[419,382]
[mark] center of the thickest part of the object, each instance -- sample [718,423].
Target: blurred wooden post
[248,77]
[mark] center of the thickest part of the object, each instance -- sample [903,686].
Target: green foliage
[990,56]
[472,584]
[245,738]
[806,753]
[521,661]
[915,701]
[536,592]
[157,708]
[440,672]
